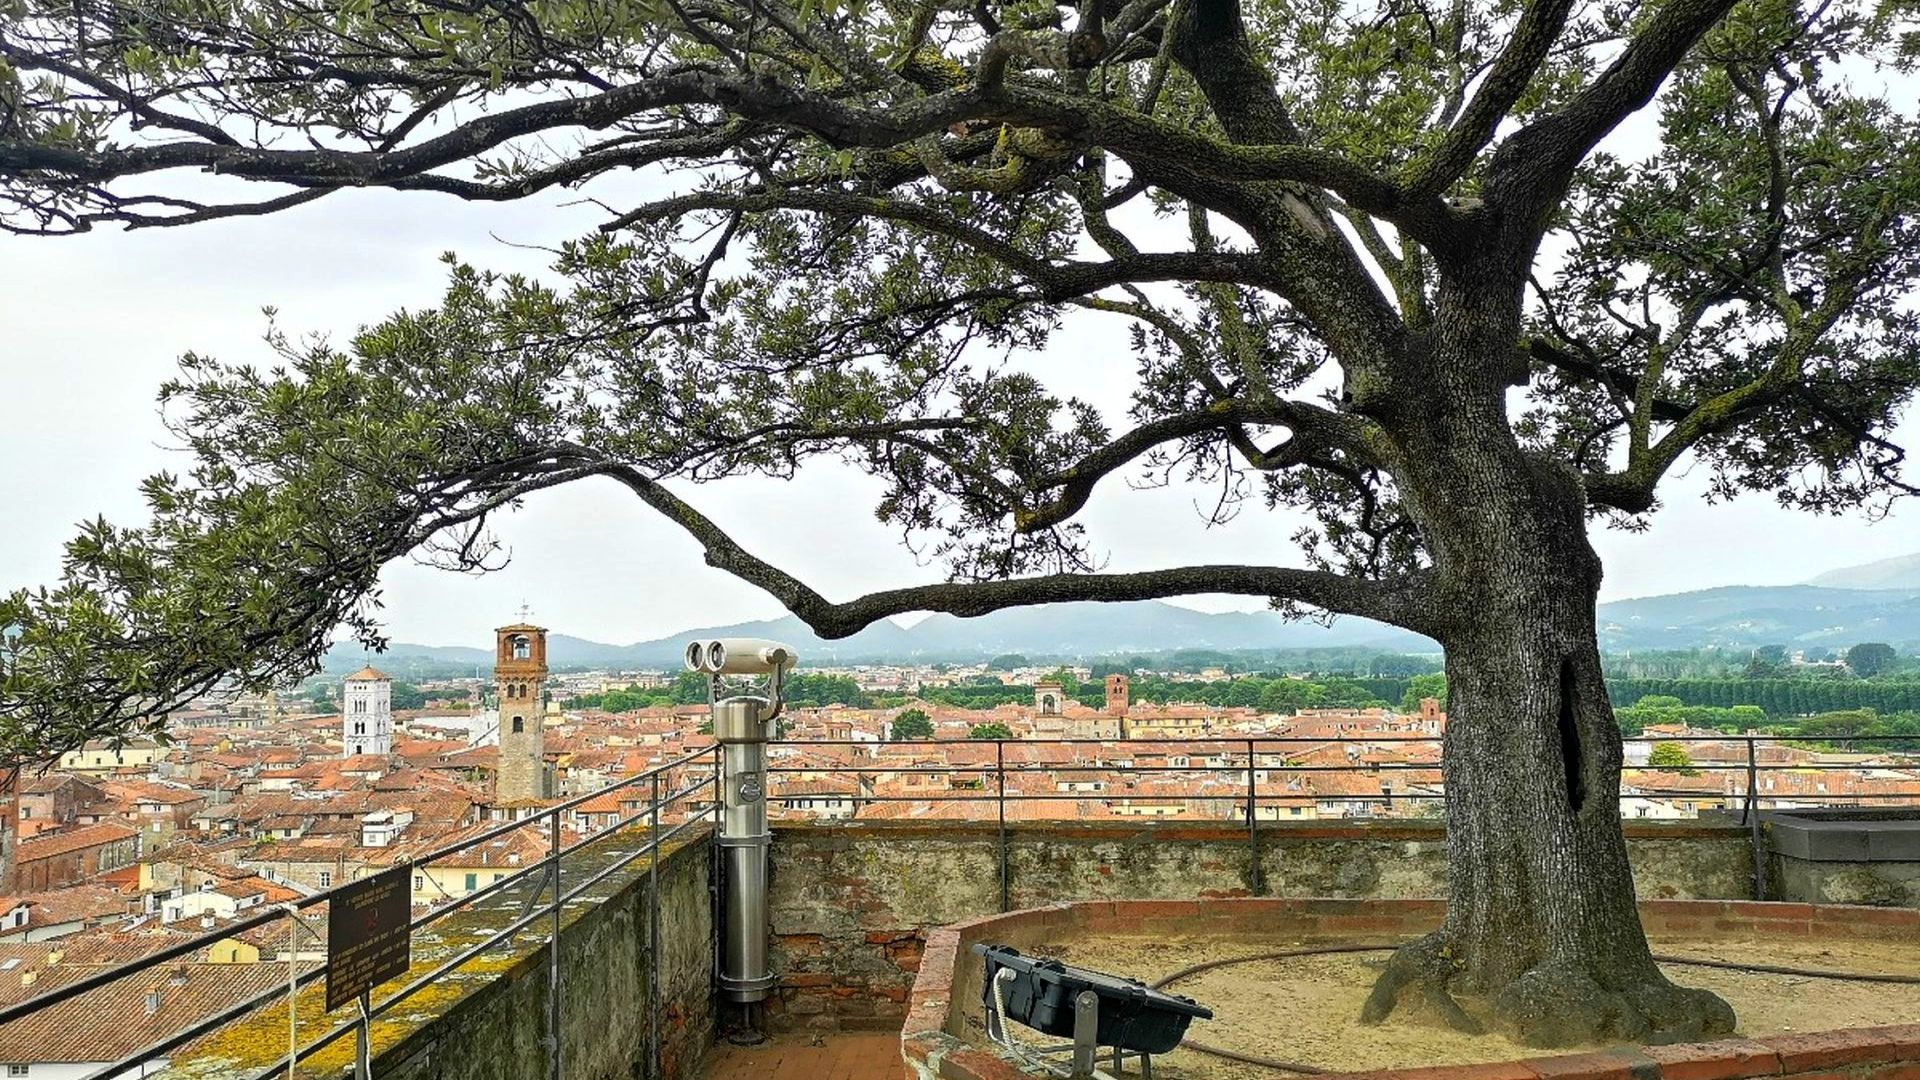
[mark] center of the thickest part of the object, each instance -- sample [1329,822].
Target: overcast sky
[93,324]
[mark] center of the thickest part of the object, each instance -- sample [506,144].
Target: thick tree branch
[1540,25]
[752,98]
[1401,602]
[1312,426]
[1056,280]
[1531,171]
[1324,277]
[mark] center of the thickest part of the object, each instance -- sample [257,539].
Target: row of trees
[1775,697]
[405,695]
[1866,660]
[1280,694]
[1354,661]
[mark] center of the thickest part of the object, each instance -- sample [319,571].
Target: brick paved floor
[850,1056]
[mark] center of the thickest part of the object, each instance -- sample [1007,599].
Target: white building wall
[366,718]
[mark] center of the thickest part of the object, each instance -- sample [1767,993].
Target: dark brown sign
[369,935]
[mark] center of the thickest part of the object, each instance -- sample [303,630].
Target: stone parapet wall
[604,1013]
[488,1018]
[851,904]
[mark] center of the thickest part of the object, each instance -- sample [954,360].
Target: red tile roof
[61,843]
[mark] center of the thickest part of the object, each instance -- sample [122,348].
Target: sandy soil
[1303,1009]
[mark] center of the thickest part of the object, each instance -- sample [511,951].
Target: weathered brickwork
[851,904]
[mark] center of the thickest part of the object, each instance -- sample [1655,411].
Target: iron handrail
[1238,740]
[506,933]
[68,991]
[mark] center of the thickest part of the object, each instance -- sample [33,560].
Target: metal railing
[1241,760]
[665,786]
[557,879]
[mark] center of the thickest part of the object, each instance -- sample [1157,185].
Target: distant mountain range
[1741,616]
[1049,630]
[1899,572]
[1877,601]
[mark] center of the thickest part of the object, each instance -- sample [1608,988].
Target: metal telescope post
[742,724]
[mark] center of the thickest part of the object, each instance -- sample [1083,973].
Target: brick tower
[519,679]
[1117,695]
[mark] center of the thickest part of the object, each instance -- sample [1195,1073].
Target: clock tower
[519,681]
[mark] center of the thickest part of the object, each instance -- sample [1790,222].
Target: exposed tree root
[1552,1005]
[1425,965]
[1559,1005]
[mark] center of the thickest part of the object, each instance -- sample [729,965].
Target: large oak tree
[1454,279]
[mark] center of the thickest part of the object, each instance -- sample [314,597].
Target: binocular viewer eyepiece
[739,656]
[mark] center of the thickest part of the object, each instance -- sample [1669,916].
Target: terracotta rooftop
[61,843]
[144,1008]
[369,674]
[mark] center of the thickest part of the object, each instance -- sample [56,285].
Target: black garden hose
[1328,950]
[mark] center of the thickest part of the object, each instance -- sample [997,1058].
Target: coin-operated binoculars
[742,723]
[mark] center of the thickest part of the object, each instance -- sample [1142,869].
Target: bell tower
[366,713]
[519,680]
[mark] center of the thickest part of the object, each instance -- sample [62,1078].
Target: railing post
[1253,827]
[362,1041]
[1753,822]
[553,953]
[293,986]
[653,936]
[1000,771]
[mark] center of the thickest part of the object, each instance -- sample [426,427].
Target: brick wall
[851,904]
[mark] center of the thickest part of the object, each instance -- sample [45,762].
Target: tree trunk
[1542,933]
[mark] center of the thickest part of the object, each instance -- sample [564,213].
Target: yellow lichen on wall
[260,1038]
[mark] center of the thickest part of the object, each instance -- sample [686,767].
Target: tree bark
[1542,934]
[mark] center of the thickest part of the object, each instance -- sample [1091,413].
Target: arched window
[522,647]
[519,725]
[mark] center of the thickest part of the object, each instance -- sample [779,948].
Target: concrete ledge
[1166,829]
[1851,838]
[943,1036]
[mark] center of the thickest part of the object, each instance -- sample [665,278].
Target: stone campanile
[1116,695]
[519,680]
[366,713]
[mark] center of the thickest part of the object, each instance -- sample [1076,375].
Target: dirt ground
[1303,1009]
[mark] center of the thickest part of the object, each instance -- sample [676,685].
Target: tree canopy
[911,724]
[1447,280]
[1673,756]
[1870,658]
